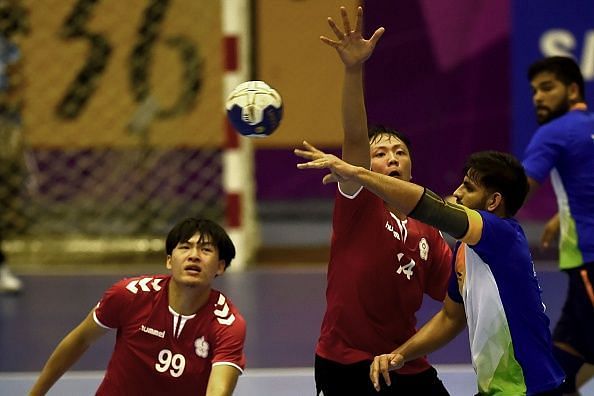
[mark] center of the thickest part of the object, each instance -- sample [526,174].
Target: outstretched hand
[341,171]
[383,364]
[351,46]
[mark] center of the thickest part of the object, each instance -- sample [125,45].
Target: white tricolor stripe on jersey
[238,152]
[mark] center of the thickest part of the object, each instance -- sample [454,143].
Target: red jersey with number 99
[159,351]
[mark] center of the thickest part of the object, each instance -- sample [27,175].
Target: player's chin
[191,279]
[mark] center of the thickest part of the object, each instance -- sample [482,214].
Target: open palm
[352,48]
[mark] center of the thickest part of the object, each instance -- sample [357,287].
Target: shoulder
[225,313]
[141,285]
[498,229]
[135,288]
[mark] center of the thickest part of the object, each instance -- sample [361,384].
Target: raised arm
[440,330]
[353,51]
[68,351]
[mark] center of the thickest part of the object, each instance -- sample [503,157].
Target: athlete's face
[390,156]
[551,98]
[471,194]
[195,262]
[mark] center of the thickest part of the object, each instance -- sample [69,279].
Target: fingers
[376,35]
[331,43]
[335,29]
[379,366]
[330,178]
[385,367]
[345,20]
[359,20]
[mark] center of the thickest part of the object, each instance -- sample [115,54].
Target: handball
[254,109]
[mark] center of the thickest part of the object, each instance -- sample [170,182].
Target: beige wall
[305,71]
[51,63]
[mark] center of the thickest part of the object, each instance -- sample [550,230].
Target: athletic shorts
[576,325]
[335,379]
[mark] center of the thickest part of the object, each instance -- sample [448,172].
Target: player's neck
[187,300]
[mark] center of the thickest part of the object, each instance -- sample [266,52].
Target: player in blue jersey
[563,147]
[493,287]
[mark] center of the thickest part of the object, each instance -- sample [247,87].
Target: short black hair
[500,172]
[376,130]
[564,68]
[184,230]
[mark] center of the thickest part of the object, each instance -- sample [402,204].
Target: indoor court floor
[283,308]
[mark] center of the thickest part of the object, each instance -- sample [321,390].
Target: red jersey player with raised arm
[175,334]
[381,261]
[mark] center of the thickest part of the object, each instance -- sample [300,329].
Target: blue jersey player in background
[563,147]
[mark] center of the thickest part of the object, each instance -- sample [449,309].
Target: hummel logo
[151,331]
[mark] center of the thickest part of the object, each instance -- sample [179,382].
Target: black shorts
[335,379]
[576,324]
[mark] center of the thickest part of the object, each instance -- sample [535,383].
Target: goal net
[121,125]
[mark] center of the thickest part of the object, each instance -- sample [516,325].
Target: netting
[119,129]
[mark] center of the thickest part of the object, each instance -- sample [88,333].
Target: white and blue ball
[254,109]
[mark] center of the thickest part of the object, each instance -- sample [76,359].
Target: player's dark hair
[499,172]
[564,68]
[208,229]
[375,131]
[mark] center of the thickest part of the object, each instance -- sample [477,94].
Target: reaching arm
[440,330]
[353,50]
[408,198]
[70,349]
[222,380]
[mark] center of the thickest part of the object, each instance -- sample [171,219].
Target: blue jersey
[564,148]
[510,341]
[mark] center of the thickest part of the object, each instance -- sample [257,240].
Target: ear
[495,202]
[221,268]
[168,262]
[573,92]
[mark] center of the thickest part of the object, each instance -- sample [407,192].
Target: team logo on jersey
[423,249]
[406,269]
[201,347]
[222,312]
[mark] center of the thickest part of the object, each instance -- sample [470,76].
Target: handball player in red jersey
[381,261]
[175,333]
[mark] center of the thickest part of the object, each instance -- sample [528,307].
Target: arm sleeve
[448,217]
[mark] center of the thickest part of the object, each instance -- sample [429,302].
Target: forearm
[64,356]
[222,380]
[402,195]
[436,333]
[354,118]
